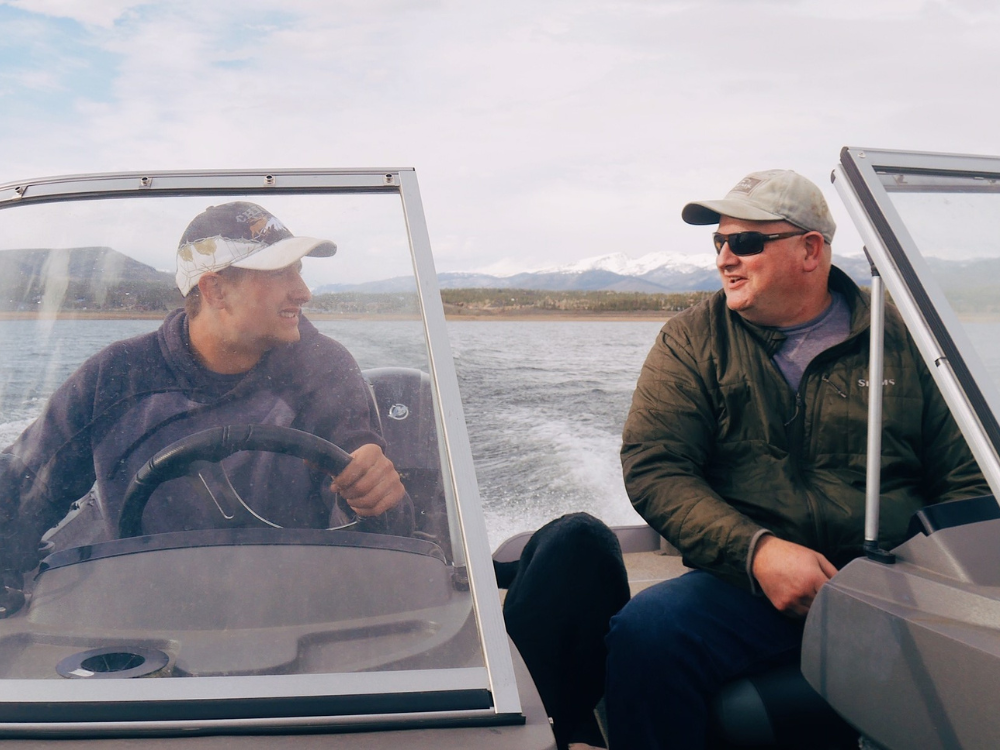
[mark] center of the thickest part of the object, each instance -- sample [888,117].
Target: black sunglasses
[749,243]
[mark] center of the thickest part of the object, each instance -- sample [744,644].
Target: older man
[745,448]
[240,352]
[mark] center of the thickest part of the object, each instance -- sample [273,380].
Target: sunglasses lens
[746,243]
[740,243]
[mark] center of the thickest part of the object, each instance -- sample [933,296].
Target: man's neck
[214,352]
[812,311]
[786,318]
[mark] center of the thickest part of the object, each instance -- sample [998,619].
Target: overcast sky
[542,131]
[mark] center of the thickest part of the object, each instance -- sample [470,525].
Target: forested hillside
[82,279]
[503,301]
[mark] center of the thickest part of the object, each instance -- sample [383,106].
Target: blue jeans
[675,645]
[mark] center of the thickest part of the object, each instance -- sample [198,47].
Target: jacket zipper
[833,385]
[796,429]
[800,415]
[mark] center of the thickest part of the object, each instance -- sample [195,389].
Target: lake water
[544,401]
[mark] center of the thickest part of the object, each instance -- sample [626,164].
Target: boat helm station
[221,588]
[273,607]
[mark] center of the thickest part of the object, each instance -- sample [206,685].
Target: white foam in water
[545,403]
[9,431]
[562,466]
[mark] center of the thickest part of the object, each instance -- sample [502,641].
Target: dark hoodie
[139,395]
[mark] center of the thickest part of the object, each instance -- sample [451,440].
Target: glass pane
[951,220]
[221,560]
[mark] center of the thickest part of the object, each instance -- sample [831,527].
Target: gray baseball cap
[773,195]
[243,235]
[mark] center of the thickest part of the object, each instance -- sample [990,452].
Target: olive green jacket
[717,446]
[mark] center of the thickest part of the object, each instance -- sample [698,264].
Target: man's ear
[814,251]
[212,288]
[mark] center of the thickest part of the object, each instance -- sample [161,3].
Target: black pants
[561,595]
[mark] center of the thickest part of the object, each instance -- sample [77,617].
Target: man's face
[766,288]
[263,307]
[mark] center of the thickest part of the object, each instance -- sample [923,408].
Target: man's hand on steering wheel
[370,484]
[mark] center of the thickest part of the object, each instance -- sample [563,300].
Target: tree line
[84,295]
[472,301]
[144,296]
[570,301]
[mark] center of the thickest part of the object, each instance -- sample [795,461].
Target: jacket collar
[858,301]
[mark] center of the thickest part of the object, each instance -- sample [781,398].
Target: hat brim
[709,212]
[285,252]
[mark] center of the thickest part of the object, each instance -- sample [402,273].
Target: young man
[745,447]
[240,352]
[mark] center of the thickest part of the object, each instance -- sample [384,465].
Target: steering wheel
[213,445]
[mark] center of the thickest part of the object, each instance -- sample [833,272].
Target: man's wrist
[751,552]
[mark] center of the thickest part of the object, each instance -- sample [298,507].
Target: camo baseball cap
[773,195]
[243,235]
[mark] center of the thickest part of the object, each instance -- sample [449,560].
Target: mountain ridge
[82,278]
[653,273]
[102,278]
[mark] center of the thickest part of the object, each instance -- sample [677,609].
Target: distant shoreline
[560,315]
[84,315]
[507,315]
[523,315]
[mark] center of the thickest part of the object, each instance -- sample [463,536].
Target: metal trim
[876,356]
[217,182]
[49,691]
[455,437]
[189,728]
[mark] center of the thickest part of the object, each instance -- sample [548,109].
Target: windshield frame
[472,556]
[958,371]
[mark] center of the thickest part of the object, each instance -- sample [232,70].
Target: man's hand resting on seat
[370,484]
[789,574]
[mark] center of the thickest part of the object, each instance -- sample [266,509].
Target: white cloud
[101,13]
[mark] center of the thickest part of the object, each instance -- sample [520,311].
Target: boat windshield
[187,361]
[929,220]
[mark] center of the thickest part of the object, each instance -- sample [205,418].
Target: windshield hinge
[14,195]
[460,578]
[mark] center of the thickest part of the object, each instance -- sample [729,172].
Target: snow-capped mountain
[652,273]
[626,265]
